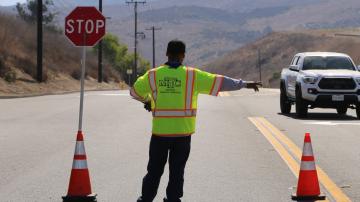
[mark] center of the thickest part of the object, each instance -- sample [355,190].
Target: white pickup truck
[320,79]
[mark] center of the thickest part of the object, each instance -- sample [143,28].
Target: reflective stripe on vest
[189,90]
[152,81]
[135,95]
[190,79]
[216,85]
[175,113]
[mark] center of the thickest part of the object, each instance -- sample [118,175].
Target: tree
[28,11]
[116,53]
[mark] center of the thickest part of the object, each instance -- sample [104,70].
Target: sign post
[129,73]
[84,27]
[82,85]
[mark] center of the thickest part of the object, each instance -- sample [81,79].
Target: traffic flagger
[79,186]
[308,185]
[171,92]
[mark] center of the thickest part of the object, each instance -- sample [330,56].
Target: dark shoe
[167,200]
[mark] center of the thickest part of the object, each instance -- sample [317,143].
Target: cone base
[321,197]
[88,198]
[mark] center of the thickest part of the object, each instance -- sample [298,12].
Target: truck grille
[337,83]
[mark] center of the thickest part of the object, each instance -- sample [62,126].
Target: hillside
[61,62]
[277,50]
[208,32]
[212,28]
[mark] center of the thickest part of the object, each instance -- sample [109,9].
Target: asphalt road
[231,160]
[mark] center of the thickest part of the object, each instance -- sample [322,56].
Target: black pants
[178,150]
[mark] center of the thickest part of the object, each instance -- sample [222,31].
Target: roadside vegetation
[117,55]
[61,62]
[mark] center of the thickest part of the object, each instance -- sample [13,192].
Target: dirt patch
[57,83]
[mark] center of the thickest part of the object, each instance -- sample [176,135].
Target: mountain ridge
[212,28]
[277,50]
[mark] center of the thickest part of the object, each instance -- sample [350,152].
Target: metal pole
[259,63]
[100,68]
[83,68]
[135,47]
[153,29]
[39,76]
[134,73]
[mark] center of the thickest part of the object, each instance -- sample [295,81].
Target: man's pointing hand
[254,85]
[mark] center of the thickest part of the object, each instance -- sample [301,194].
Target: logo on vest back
[170,84]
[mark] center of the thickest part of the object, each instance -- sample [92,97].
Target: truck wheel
[285,105]
[342,110]
[301,106]
[358,111]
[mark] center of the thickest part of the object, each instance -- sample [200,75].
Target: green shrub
[10,76]
[276,75]
[3,68]
[76,74]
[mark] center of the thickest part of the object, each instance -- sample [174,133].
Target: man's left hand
[147,106]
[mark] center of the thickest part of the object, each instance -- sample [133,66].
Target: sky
[10,2]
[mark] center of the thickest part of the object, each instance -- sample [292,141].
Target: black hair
[175,48]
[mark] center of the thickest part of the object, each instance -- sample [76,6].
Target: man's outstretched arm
[230,84]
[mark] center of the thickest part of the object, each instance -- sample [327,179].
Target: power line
[135,2]
[153,29]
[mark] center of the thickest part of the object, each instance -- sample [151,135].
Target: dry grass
[19,46]
[61,62]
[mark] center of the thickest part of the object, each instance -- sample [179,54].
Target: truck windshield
[331,62]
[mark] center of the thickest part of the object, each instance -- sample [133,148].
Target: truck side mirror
[294,68]
[358,67]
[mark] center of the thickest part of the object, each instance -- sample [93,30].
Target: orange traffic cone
[79,186]
[308,185]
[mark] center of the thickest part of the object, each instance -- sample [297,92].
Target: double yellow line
[279,141]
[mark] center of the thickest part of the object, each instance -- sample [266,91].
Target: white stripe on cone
[80,148]
[79,164]
[307,151]
[308,166]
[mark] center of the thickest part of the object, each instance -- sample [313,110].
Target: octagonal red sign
[85,26]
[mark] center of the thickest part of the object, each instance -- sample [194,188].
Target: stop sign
[85,26]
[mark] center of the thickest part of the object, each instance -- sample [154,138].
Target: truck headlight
[311,79]
[357,80]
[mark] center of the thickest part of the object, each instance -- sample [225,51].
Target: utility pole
[135,2]
[153,28]
[259,64]
[39,76]
[100,68]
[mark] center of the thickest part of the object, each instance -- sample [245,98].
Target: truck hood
[332,73]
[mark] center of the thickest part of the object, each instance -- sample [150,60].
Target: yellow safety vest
[173,93]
